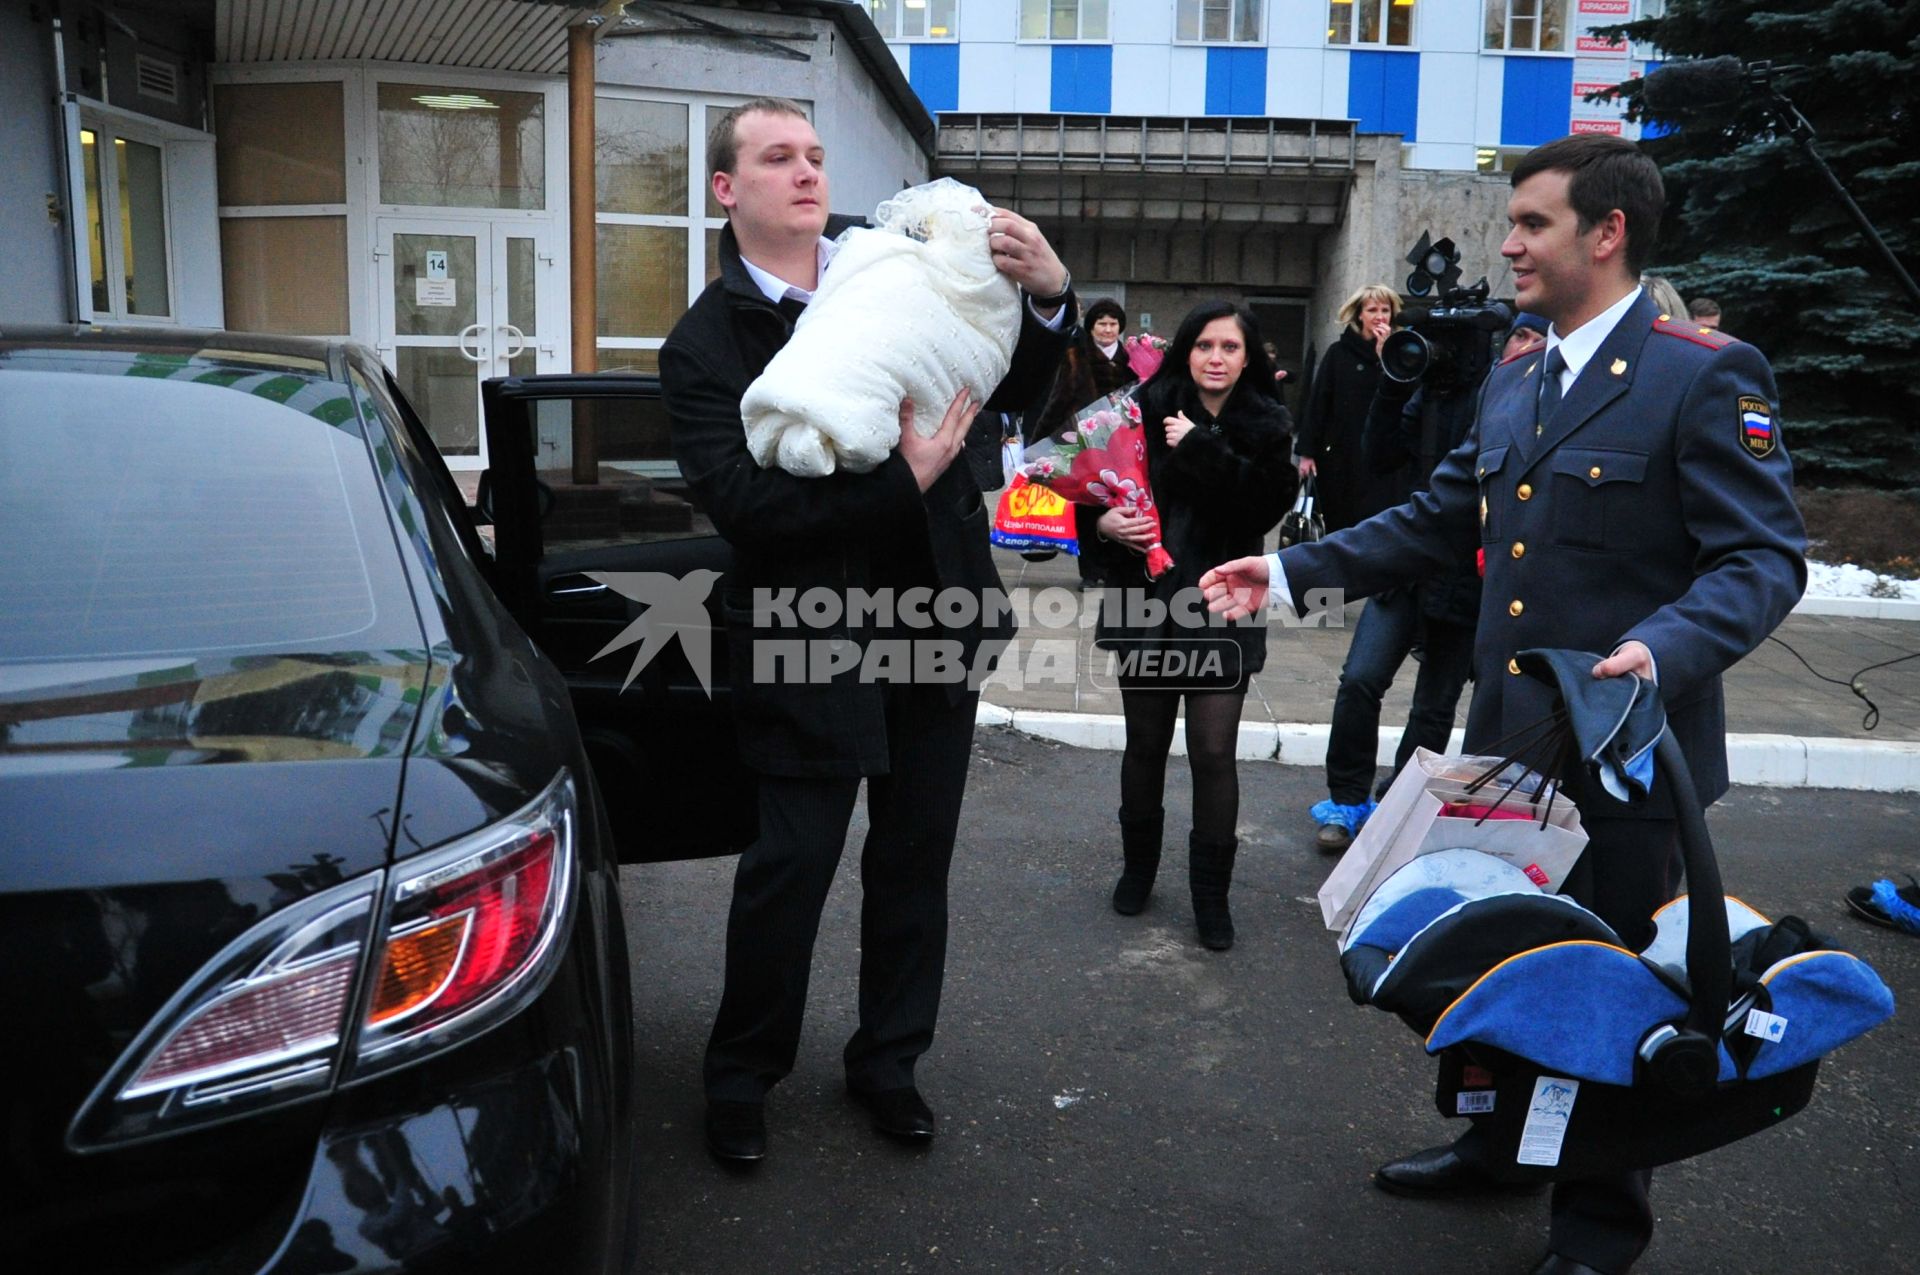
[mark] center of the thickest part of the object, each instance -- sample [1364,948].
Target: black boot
[1140,848]
[1210,873]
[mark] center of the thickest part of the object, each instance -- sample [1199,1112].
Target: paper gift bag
[1410,822]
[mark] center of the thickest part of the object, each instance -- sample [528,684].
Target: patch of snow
[1061,1101]
[1844,580]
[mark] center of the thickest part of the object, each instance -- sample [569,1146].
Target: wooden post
[584,249]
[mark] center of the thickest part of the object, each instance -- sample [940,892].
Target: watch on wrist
[1058,298]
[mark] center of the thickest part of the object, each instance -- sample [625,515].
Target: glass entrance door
[462,301]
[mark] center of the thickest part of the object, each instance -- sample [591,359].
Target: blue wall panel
[1236,81]
[934,72]
[1383,92]
[1083,78]
[1536,100]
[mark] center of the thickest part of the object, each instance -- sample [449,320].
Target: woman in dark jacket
[1217,461]
[1095,364]
[1335,415]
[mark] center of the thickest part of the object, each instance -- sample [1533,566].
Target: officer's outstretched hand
[1632,657]
[1236,589]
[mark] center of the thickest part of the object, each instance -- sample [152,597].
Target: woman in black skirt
[1217,461]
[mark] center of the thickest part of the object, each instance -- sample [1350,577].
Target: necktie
[792,308]
[1549,390]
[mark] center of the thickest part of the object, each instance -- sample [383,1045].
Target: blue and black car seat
[1575,1055]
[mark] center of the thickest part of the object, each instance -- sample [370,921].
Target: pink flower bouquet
[1101,459]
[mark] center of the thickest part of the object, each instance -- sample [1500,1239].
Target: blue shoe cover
[1352,818]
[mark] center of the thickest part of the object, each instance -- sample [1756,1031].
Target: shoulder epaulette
[1531,349]
[1712,338]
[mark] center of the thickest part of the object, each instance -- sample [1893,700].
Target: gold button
[1513,667]
[1594,472]
[1515,607]
[1525,492]
[1519,549]
[1665,318]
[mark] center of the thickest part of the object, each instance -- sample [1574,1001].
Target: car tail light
[465,930]
[357,979]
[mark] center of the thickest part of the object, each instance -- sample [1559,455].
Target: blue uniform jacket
[1655,504]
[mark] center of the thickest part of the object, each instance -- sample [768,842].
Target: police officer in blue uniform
[1628,486]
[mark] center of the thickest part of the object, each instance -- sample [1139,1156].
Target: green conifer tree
[1751,224]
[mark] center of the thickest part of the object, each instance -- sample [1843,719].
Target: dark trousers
[782,883]
[1630,868]
[1381,642]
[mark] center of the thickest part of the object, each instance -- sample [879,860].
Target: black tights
[1213,728]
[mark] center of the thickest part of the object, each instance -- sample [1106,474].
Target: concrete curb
[1776,761]
[1860,608]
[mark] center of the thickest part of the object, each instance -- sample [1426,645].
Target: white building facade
[1467,84]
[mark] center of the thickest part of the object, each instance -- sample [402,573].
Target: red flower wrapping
[1101,460]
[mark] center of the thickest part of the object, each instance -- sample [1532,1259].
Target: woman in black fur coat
[1218,443]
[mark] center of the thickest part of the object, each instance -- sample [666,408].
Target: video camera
[1451,346]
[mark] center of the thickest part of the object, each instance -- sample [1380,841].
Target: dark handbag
[1303,522]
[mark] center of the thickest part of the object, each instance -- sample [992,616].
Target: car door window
[637,494]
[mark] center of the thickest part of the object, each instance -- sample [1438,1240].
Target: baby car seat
[1575,1056]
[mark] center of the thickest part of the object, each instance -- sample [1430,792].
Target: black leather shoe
[1554,1264]
[737,1132]
[898,1113]
[1437,1173]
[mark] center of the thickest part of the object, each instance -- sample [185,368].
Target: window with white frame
[128,255]
[1527,26]
[915,19]
[1379,22]
[1219,21]
[1063,20]
[656,249]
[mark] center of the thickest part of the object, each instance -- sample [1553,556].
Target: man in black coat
[1631,494]
[814,725]
[1437,616]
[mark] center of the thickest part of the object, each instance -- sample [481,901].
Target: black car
[311,806]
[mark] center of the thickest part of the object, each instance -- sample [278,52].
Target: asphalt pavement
[1115,1098]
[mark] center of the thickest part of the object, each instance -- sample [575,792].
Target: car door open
[604,559]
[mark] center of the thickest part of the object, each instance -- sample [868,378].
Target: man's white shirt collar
[778,289]
[1580,345]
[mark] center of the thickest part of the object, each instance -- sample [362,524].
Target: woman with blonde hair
[1335,413]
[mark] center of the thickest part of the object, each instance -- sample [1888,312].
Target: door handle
[474,330]
[574,586]
[513,334]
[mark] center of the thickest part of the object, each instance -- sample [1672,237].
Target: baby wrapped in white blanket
[913,309]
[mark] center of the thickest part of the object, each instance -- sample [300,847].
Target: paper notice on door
[1547,1115]
[435,291]
[436,265]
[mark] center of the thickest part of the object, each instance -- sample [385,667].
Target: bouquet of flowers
[1101,459]
[1145,354]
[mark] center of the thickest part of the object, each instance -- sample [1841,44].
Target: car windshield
[157,507]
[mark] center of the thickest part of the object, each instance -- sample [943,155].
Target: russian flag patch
[1756,425]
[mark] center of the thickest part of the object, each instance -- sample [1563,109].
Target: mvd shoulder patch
[1756,425]
[1712,338]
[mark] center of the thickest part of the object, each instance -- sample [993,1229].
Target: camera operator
[1423,409]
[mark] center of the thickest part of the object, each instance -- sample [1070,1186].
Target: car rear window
[172,510]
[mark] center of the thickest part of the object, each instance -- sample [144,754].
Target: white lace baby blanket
[913,309]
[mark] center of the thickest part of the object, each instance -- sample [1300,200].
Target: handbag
[1303,522]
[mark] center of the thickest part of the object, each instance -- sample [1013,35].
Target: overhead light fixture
[455,102]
